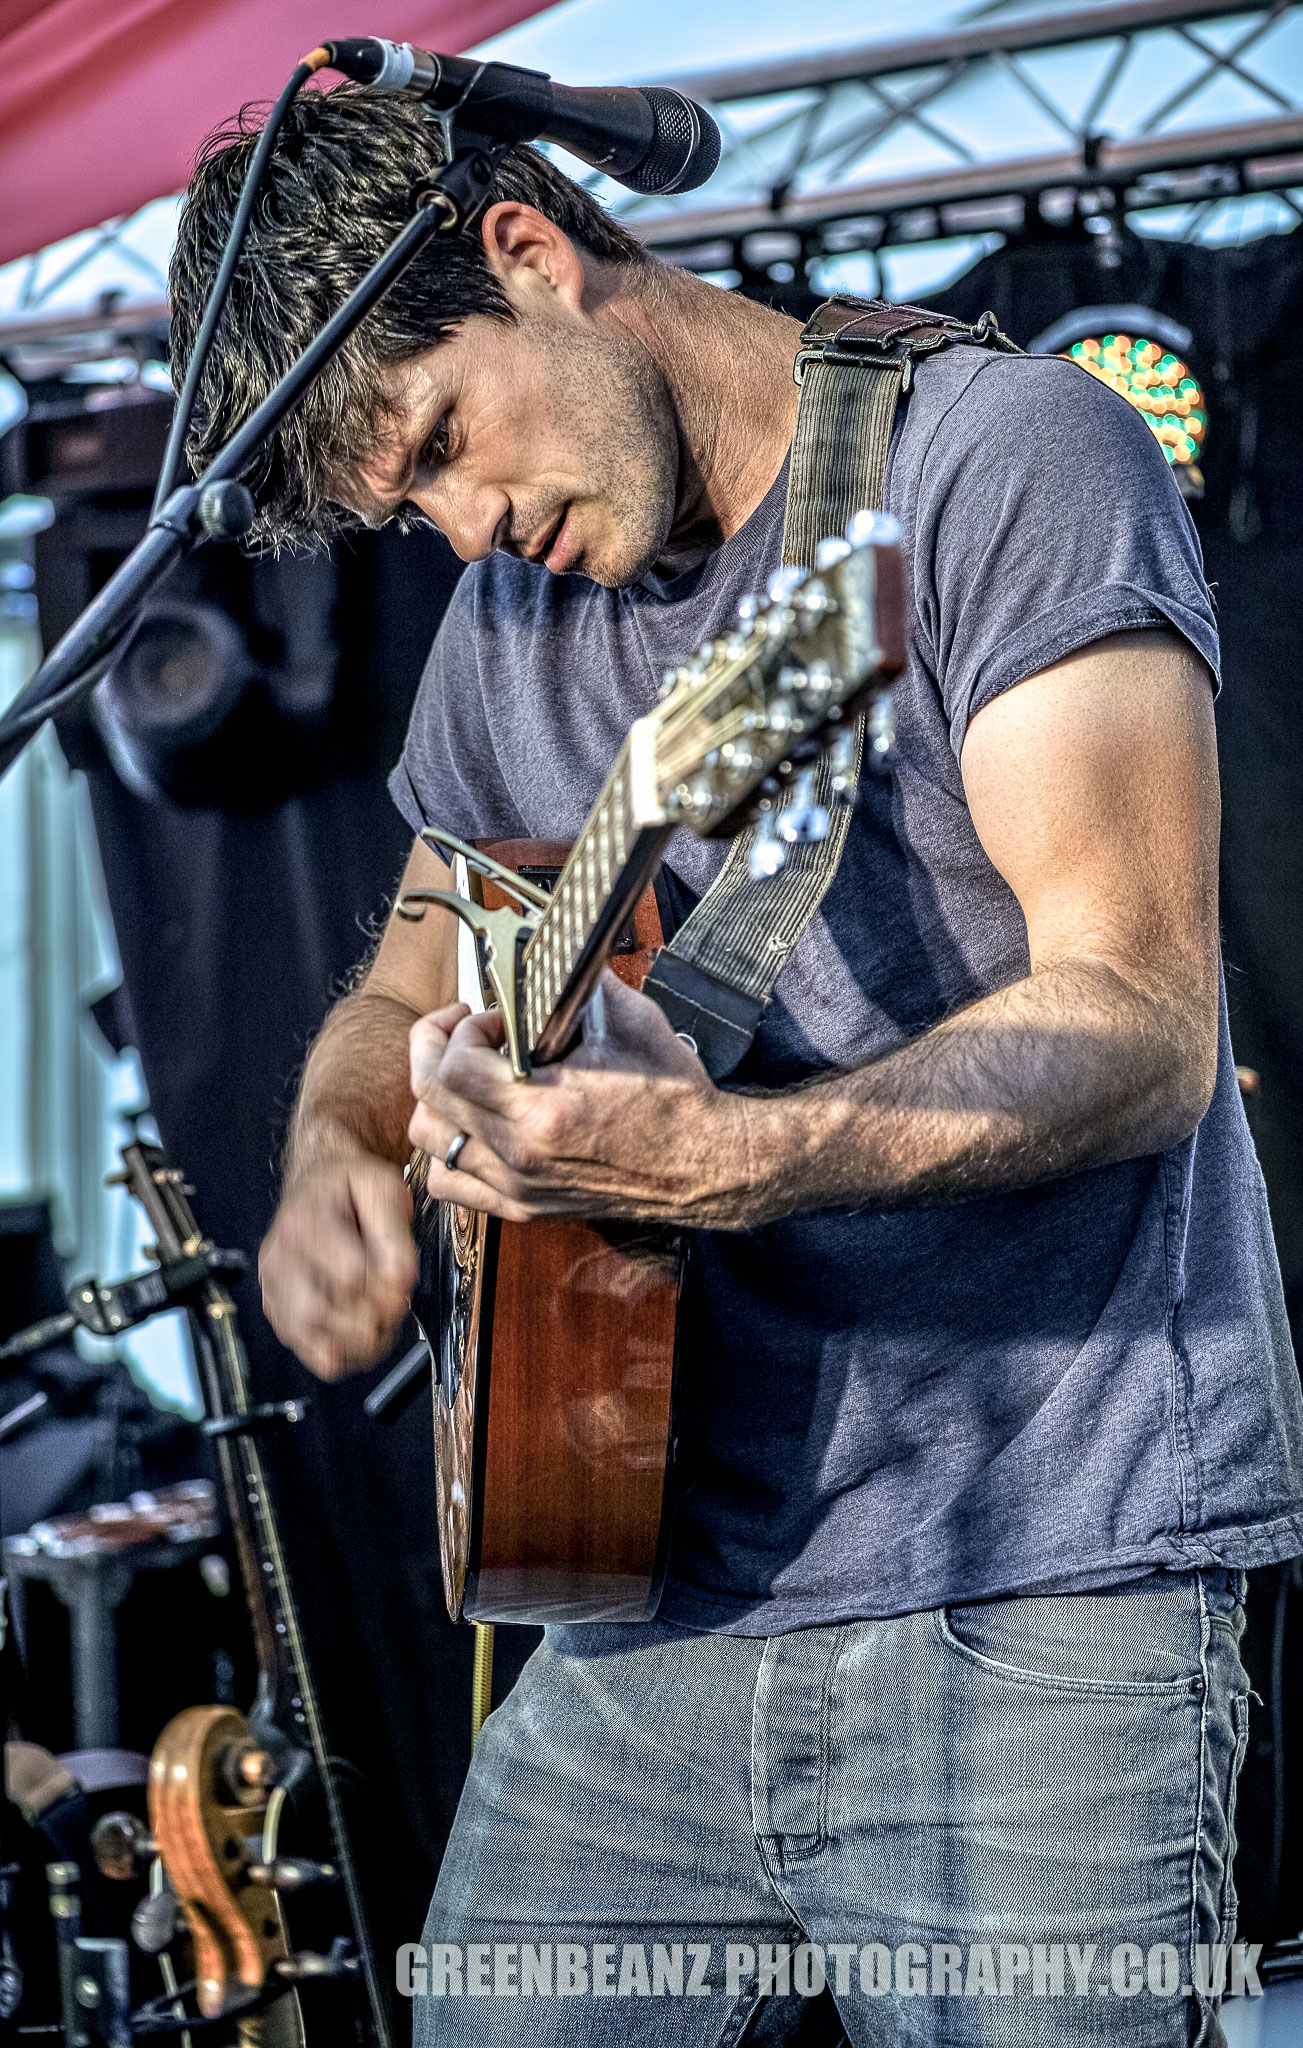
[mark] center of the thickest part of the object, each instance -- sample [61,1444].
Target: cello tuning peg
[119,1842]
[804,821]
[246,1772]
[290,1873]
[153,1924]
[768,855]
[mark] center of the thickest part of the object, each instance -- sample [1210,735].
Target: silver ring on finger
[454,1152]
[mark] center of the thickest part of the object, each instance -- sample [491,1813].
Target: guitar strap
[854,366]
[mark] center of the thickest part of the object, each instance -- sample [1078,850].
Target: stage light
[1160,387]
[1142,355]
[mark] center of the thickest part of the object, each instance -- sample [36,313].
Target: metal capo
[515,885]
[501,932]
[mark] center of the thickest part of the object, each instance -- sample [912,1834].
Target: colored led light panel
[1157,383]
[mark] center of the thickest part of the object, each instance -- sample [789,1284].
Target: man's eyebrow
[388,503]
[378,506]
[363,503]
[386,507]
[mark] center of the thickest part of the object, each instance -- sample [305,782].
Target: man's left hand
[629,1125]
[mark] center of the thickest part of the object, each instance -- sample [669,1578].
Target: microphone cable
[174,453]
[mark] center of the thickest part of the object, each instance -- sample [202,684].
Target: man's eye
[435,450]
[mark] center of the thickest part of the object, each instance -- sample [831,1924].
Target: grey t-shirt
[893,1410]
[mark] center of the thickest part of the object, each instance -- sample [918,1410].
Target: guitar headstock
[739,722]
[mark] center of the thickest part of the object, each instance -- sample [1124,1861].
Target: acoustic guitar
[553,1342]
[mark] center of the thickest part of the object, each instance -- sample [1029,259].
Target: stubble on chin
[629,430]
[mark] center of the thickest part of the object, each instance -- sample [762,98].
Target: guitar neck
[737,732]
[610,865]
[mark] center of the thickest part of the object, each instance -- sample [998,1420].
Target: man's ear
[527,253]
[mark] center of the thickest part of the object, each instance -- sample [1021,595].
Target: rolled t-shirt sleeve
[448,773]
[1046,518]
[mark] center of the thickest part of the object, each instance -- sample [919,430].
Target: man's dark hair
[337,191]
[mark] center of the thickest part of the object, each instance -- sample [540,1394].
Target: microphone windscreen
[685,148]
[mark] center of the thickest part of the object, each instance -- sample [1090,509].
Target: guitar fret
[604,844]
[578,899]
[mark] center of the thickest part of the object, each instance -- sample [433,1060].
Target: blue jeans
[1010,1823]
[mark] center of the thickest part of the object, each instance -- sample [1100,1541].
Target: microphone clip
[463,181]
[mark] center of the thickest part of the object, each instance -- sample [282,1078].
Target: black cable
[185,405]
[1288,1579]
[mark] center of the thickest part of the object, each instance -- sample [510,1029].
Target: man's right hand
[338,1265]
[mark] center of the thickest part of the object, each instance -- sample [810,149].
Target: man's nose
[469,515]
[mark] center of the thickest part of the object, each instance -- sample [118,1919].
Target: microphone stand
[218,506]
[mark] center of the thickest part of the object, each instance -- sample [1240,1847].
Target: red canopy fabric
[103,103]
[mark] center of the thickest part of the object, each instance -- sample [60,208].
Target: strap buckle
[867,354]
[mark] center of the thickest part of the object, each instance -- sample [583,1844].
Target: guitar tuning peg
[882,528]
[804,821]
[768,855]
[785,582]
[882,730]
[829,552]
[841,763]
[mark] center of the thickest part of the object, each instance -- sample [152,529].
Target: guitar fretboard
[583,890]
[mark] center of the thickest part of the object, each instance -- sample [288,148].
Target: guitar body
[553,1430]
[554,1349]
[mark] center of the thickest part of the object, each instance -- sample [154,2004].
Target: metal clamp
[870,356]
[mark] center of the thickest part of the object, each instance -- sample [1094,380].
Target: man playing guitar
[987,1394]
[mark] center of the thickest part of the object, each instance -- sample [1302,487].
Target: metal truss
[1108,106]
[49,271]
[893,143]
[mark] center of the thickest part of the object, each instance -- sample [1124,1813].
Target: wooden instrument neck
[543,861]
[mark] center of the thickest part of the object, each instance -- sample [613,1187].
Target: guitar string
[578,897]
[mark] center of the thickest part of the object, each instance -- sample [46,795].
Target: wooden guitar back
[553,1399]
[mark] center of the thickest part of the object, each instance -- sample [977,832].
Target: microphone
[647,137]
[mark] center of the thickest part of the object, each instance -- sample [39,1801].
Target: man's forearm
[355,1094]
[1072,1067]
